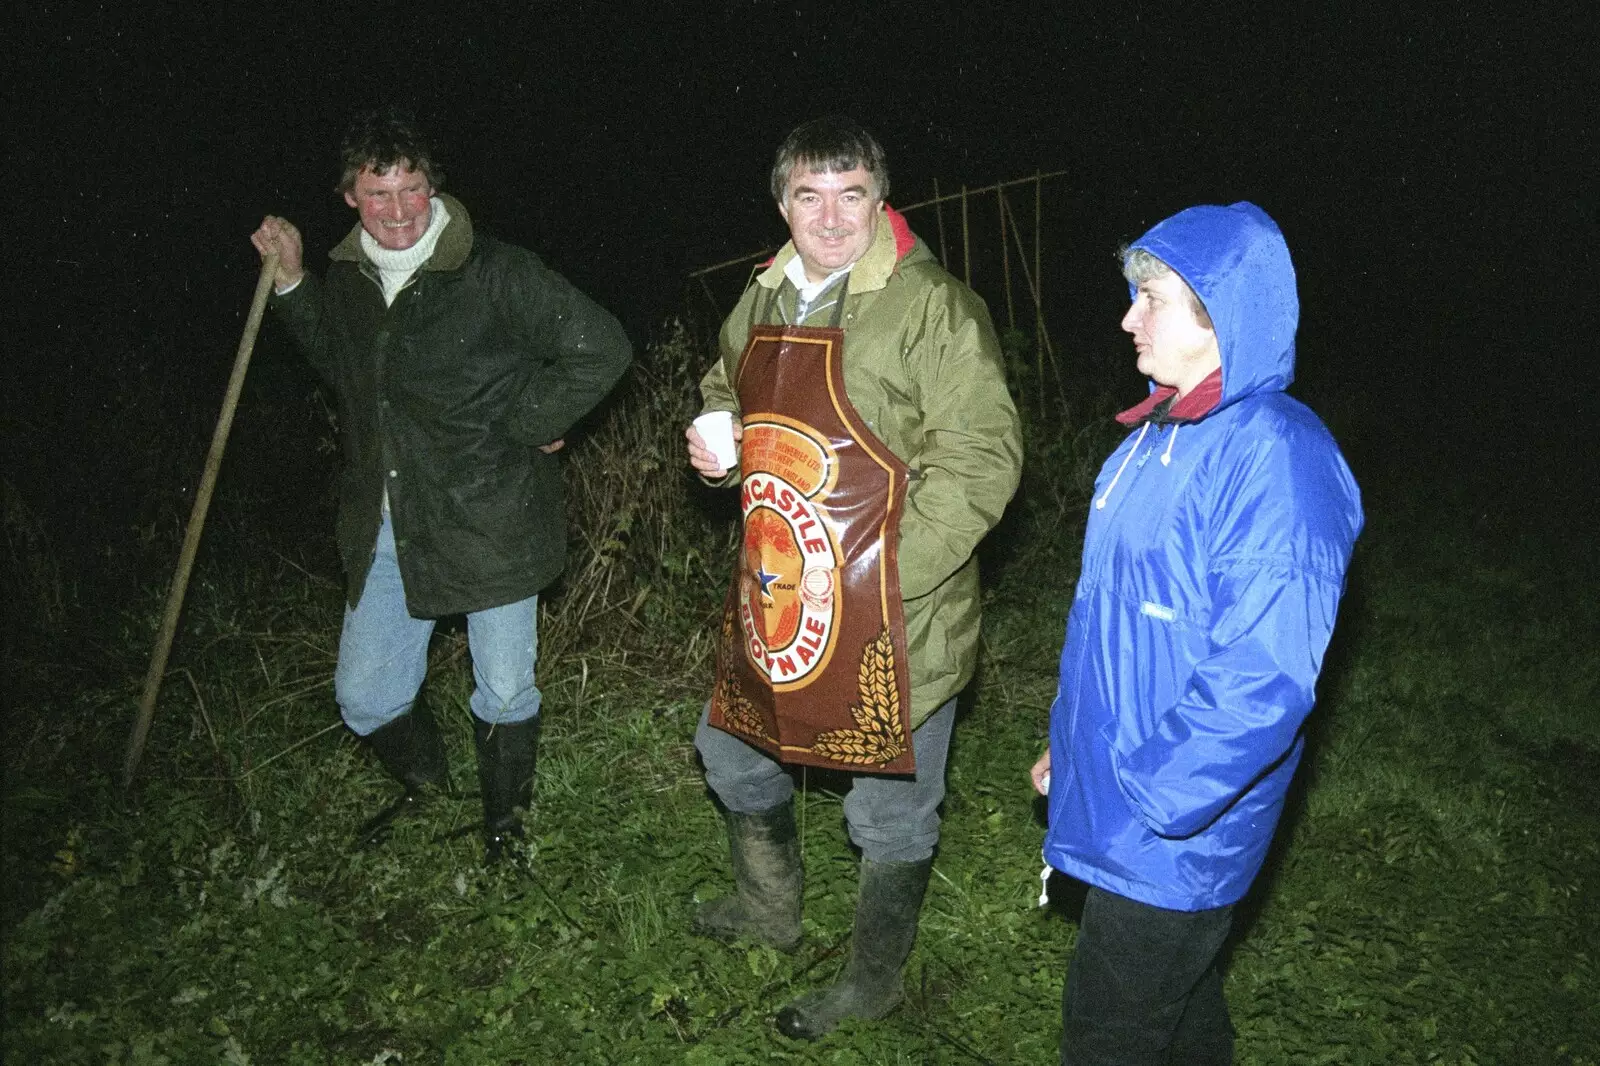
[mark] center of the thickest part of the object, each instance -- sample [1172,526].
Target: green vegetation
[1431,899]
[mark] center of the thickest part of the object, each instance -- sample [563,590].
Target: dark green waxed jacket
[922,366]
[444,397]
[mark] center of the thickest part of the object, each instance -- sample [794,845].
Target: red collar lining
[1195,405]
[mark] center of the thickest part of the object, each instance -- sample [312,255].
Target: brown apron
[811,667]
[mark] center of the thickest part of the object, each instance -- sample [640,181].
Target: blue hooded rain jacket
[1213,563]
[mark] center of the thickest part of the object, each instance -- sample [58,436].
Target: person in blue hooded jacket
[1213,563]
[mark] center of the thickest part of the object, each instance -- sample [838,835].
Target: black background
[1431,167]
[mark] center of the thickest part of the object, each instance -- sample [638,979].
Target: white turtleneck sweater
[396,267]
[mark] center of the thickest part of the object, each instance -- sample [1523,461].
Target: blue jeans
[1143,987]
[383,652]
[891,818]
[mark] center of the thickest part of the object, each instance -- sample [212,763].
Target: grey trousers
[892,818]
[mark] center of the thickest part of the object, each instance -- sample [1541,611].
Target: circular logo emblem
[788,598]
[816,588]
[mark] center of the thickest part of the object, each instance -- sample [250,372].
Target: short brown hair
[383,138]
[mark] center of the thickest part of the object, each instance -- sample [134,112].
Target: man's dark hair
[386,137]
[831,145]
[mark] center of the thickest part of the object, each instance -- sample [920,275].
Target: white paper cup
[716,429]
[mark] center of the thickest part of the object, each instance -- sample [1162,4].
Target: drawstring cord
[1166,460]
[1101,502]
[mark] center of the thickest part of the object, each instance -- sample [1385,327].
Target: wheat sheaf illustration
[879,738]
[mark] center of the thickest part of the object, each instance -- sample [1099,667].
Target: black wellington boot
[887,906]
[507,757]
[412,750]
[765,905]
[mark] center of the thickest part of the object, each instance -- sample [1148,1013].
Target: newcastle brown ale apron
[811,667]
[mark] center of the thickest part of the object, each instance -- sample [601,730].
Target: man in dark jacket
[1213,564]
[458,362]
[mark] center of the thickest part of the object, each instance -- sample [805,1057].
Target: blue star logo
[766,580]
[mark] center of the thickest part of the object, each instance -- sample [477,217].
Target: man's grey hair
[1139,265]
[831,145]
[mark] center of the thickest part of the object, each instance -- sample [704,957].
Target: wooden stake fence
[1031,265]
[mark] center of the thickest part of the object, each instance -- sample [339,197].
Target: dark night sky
[1424,166]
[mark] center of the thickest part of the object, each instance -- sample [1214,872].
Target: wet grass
[1430,898]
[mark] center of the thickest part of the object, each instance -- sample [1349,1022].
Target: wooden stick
[966,240]
[714,267]
[1005,258]
[1043,339]
[197,521]
[711,297]
[937,199]
[938,207]
[1022,253]
[1038,280]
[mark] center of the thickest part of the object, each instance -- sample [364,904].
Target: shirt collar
[795,271]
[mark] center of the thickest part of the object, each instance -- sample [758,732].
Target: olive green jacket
[922,366]
[444,398]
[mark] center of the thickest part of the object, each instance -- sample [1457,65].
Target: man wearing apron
[877,444]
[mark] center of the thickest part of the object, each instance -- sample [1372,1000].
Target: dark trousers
[1143,987]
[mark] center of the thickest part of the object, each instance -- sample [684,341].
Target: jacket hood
[1236,261]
